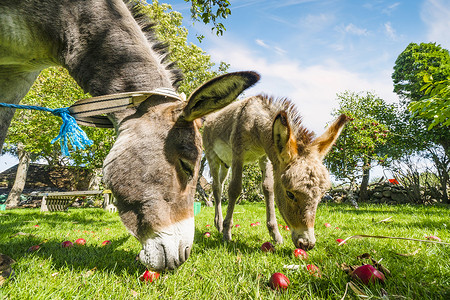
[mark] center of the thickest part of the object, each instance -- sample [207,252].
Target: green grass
[236,270]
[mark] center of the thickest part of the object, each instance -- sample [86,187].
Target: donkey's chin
[169,248]
[304,239]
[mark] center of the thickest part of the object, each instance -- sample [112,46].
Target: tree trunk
[21,177]
[363,193]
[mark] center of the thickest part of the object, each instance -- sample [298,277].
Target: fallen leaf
[134,293]
[409,254]
[363,256]
[90,272]
[21,233]
[356,290]
[55,274]
[384,221]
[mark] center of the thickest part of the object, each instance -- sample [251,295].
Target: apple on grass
[107,242]
[66,244]
[207,234]
[433,238]
[327,225]
[279,281]
[34,248]
[80,242]
[368,274]
[267,247]
[237,225]
[300,253]
[149,276]
[340,241]
[314,270]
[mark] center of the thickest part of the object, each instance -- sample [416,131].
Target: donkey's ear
[284,140]
[217,93]
[323,143]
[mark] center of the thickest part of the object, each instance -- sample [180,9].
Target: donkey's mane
[303,135]
[162,48]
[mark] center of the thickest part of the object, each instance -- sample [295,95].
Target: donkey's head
[301,179]
[153,167]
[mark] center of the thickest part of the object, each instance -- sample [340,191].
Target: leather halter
[89,112]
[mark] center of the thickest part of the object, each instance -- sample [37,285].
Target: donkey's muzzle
[304,239]
[169,248]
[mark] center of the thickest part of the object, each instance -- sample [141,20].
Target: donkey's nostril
[305,244]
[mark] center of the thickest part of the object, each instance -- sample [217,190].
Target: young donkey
[153,166]
[268,130]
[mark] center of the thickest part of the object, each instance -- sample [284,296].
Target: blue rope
[69,131]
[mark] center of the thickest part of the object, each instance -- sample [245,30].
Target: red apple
[314,270]
[36,225]
[279,281]
[252,225]
[327,225]
[34,248]
[237,226]
[257,223]
[368,274]
[149,276]
[433,237]
[66,244]
[107,242]
[208,225]
[286,228]
[300,253]
[340,241]
[337,228]
[80,241]
[267,247]
[207,234]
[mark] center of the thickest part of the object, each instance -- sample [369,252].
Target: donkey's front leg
[234,190]
[218,173]
[267,187]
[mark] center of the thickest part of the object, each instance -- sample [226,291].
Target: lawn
[236,270]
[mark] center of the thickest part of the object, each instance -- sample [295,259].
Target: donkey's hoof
[278,239]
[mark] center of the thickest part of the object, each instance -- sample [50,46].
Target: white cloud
[313,88]
[353,29]
[261,43]
[388,10]
[436,15]
[276,49]
[390,32]
[317,22]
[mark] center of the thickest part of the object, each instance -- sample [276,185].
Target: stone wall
[386,193]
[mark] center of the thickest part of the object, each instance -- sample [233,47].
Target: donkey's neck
[106,52]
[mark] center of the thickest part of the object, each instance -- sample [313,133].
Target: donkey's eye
[187,168]
[290,195]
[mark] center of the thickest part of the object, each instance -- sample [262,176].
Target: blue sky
[310,50]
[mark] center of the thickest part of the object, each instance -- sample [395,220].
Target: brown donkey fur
[269,131]
[153,166]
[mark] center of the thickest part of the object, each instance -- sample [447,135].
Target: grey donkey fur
[269,131]
[152,168]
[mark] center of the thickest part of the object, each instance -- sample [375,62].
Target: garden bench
[60,201]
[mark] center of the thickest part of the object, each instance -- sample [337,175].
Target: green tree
[415,63]
[210,11]
[413,71]
[362,143]
[435,104]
